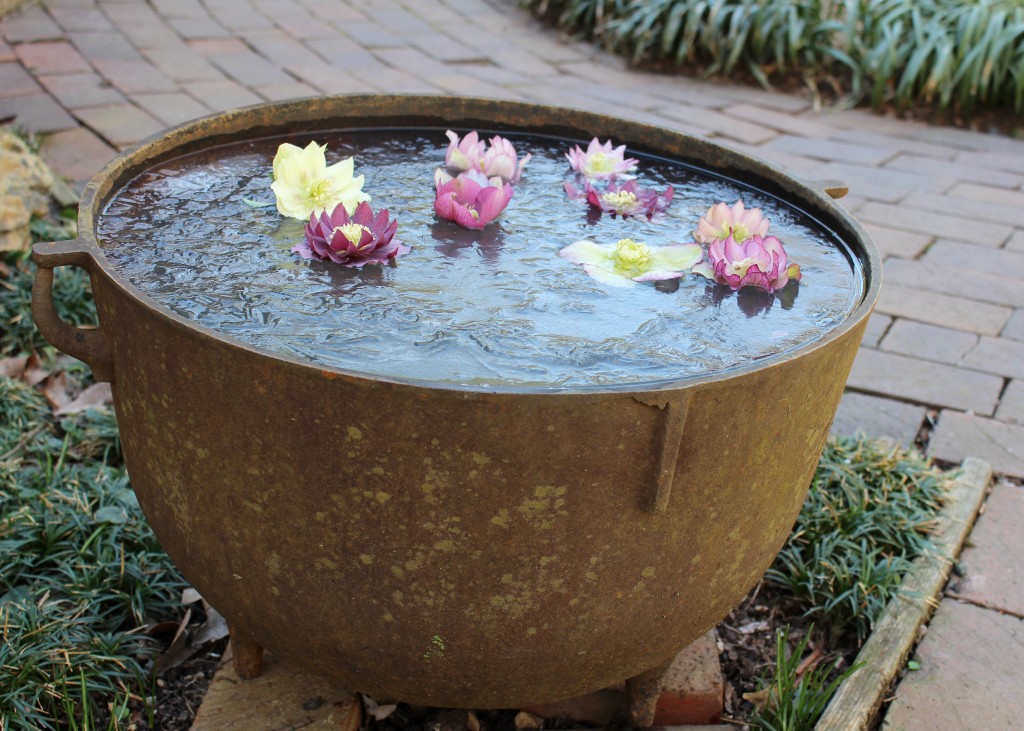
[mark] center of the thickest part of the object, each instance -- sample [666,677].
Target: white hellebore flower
[623,263]
[305,185]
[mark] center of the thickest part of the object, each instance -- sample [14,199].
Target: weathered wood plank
[858,700]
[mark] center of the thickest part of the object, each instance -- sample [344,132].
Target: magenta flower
[601,162]
[759,262]
[624,200]
[355,240]
[470,199]
[498,160]
[722,221]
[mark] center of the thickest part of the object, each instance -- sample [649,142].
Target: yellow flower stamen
[351,231]
[632,257]
[598,162]
[620,199]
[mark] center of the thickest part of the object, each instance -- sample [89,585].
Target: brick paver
[945,205]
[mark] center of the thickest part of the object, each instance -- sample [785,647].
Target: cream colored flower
[305,185]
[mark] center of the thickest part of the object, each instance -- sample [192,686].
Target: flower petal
[607,276]
[677,256]
[586,252]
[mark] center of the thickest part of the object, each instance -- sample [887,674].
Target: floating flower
[601,162]
[470,199]
[760,262]
[721,222]
[355,240]
[305,185]
[627,199]
[499,159]
[628,261]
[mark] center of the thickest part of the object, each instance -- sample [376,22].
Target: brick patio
[946,206]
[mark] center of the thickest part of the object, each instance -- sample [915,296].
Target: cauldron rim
[398,110]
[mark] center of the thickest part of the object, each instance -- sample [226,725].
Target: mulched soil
[746,650]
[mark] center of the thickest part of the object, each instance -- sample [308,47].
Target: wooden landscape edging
[857,701]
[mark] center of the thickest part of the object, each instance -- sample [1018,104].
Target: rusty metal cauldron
[454,547]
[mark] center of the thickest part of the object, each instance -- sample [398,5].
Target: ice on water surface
[492,308]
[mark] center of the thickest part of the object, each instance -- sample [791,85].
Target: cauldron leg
[642,693]
[246,655]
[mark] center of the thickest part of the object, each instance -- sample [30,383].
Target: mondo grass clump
[945,54]
[868,515]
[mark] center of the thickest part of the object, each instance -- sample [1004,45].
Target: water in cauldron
[494,308]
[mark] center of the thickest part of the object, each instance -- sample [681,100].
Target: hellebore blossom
[624,200]
[355,240]
[470,199]
[721,222]
[760,262]
[498,160]
[305,185]
[628,261]
[601,162]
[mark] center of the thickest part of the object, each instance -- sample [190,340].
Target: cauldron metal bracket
[675,408]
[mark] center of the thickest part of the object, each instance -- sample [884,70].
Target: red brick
[219,96]
[832,151]
[998,262]
[250,69]
[120,124]
[53,57]
[1016,242]
[6,52]
[944,168]
[878,418]
[199,28]
[135,76]
[959,436]
[908,218]
[36,112]
[690,692]
[14,81]
[1011,163]
[80,19]
[1011,405]
[1001,356]
[298,23]
[285,51]
[881,184]
[781,121]
[288,90]
[1014,326]
[943,310]
[75,91]
[179,8]
[1010,213]
[29,24]
[934,276]
[925,382]
[98,45]
[970,674]
[988,194]
[218,47]
[393,81]
[183,64]
[719,124]
[340,53]
[328,79]
[905,146]
[171,109]
[893,242]
[76,154]
[929,342]
[991,562]
[878,326]
[154,35]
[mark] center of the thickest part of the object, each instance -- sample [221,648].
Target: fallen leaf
[472,722]
[377,710]
[760,699]
[13,367]
[810,662]
[190,596]
[351,711]
[526,720]
[34,372]
[751,627]
[179,651]
[55,389]
[98,394]
[214,628]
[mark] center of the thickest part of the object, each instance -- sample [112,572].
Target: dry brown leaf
[180,649]
[377,710]
[809,663]
[751,627]
[98,394]
[351,711]
[526,720]
[214,628]
[472,722]
[760,699]
[190,596]
[13,367]
[34,371]
[55,389]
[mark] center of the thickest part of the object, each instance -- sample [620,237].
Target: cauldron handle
[87,344]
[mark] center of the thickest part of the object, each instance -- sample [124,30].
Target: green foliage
[796,701]
[72,293]
[79,567]
[947,53]
[866,518]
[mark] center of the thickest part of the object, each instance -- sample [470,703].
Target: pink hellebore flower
[355,240]
[759,262]
[601,162]
[497,160]
[470,199]
[624,200]
[721,222]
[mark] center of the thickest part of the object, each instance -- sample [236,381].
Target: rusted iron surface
[449,546]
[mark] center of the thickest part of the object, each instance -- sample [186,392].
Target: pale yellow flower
[304,184]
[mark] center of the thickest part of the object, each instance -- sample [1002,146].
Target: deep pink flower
[760,262]
[355,240]
[601,162]
[498,160]
[470,199]
[722,221]
[627,199]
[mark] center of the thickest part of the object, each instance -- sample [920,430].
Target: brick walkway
[945,206]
